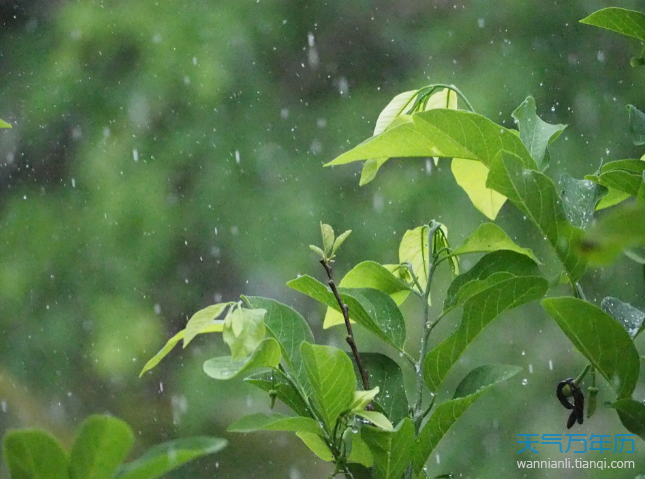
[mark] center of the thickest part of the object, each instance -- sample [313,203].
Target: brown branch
[350,335]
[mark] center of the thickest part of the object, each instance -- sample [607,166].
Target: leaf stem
[348,325]
[458,92]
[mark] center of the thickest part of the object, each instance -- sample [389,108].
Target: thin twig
[348,325]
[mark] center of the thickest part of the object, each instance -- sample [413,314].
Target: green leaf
[102,445]
[600,338]
[317,445]
[630,317]
[327,238]
[376,418]
[332,378]
[478,381]
[536,196]
[363,398]
[490,237]
[368,274]
[579,198]
[535,133]
[489,295]
[386,374]
[636,125]
[275,422]
[414,250]
[243,331]
[622,175]
[620,229]
[4,124]
[339,241]
[397,106]
[170,344]
[33,454]
[632,415]
[626,22]
[285,392]
[266,355]
[471,176]
[360,452]
[165,457]
[370,169]
[289,328]
[202,319]
[392,450]
[612,198]
[444,133]
[372,309]
[317,250]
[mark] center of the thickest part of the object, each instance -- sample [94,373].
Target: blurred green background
[168,155]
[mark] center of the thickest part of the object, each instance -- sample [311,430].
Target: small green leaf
[266,355]
[496,292]
[376,418]
[339,241]
[600,338]
[636,125]
[363,398]
[626,22]
[580,198]
[632,415]
[165,457]
[372,309]
[414,251]
[536,196]
[471,176]
[386,374]
[289,328]
[327,238]
[170,344]
[201,319]
[285,392]
[102,445]
[243,331]
[612,198]
[317,250]
[370,169]
[332,378]
[630,317]
[490,237]
[275,422]
[4,124]
[478,381]
[622,175]
[397,106]
[392,450]
[535,133]
[620,229]
[317,445]
[33,454]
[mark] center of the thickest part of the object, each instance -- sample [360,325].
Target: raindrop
[237,157]
[438,459]
[157,309]
[160,387]
[194,60]
[550,365]
[523,353]
[481,23]
[343,86]
[530,369]
[73,183]
[525,382]
[3,405]
[135,154]
[284,113]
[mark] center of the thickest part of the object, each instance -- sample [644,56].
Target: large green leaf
[630,317]
[535,133]
[485,294]
[632,415]
[266,355]
[478,381]
[331,374]
[285,392]
[636,125]
[369,274]
[618,230]
[360,452]
[386,374]
[244,329]
[165,457]
[621,175]
[579,198]
[275,422]
[626,22]
[172,342]
[32,454]
[201,320]
[392,450]
[289,328]
[102,445]
[444,133]
[537,197]
[371,308]
[490,237]
[600,338]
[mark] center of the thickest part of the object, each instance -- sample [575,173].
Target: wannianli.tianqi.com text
[576,464]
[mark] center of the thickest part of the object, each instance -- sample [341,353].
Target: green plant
[356,413]
[101,446]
